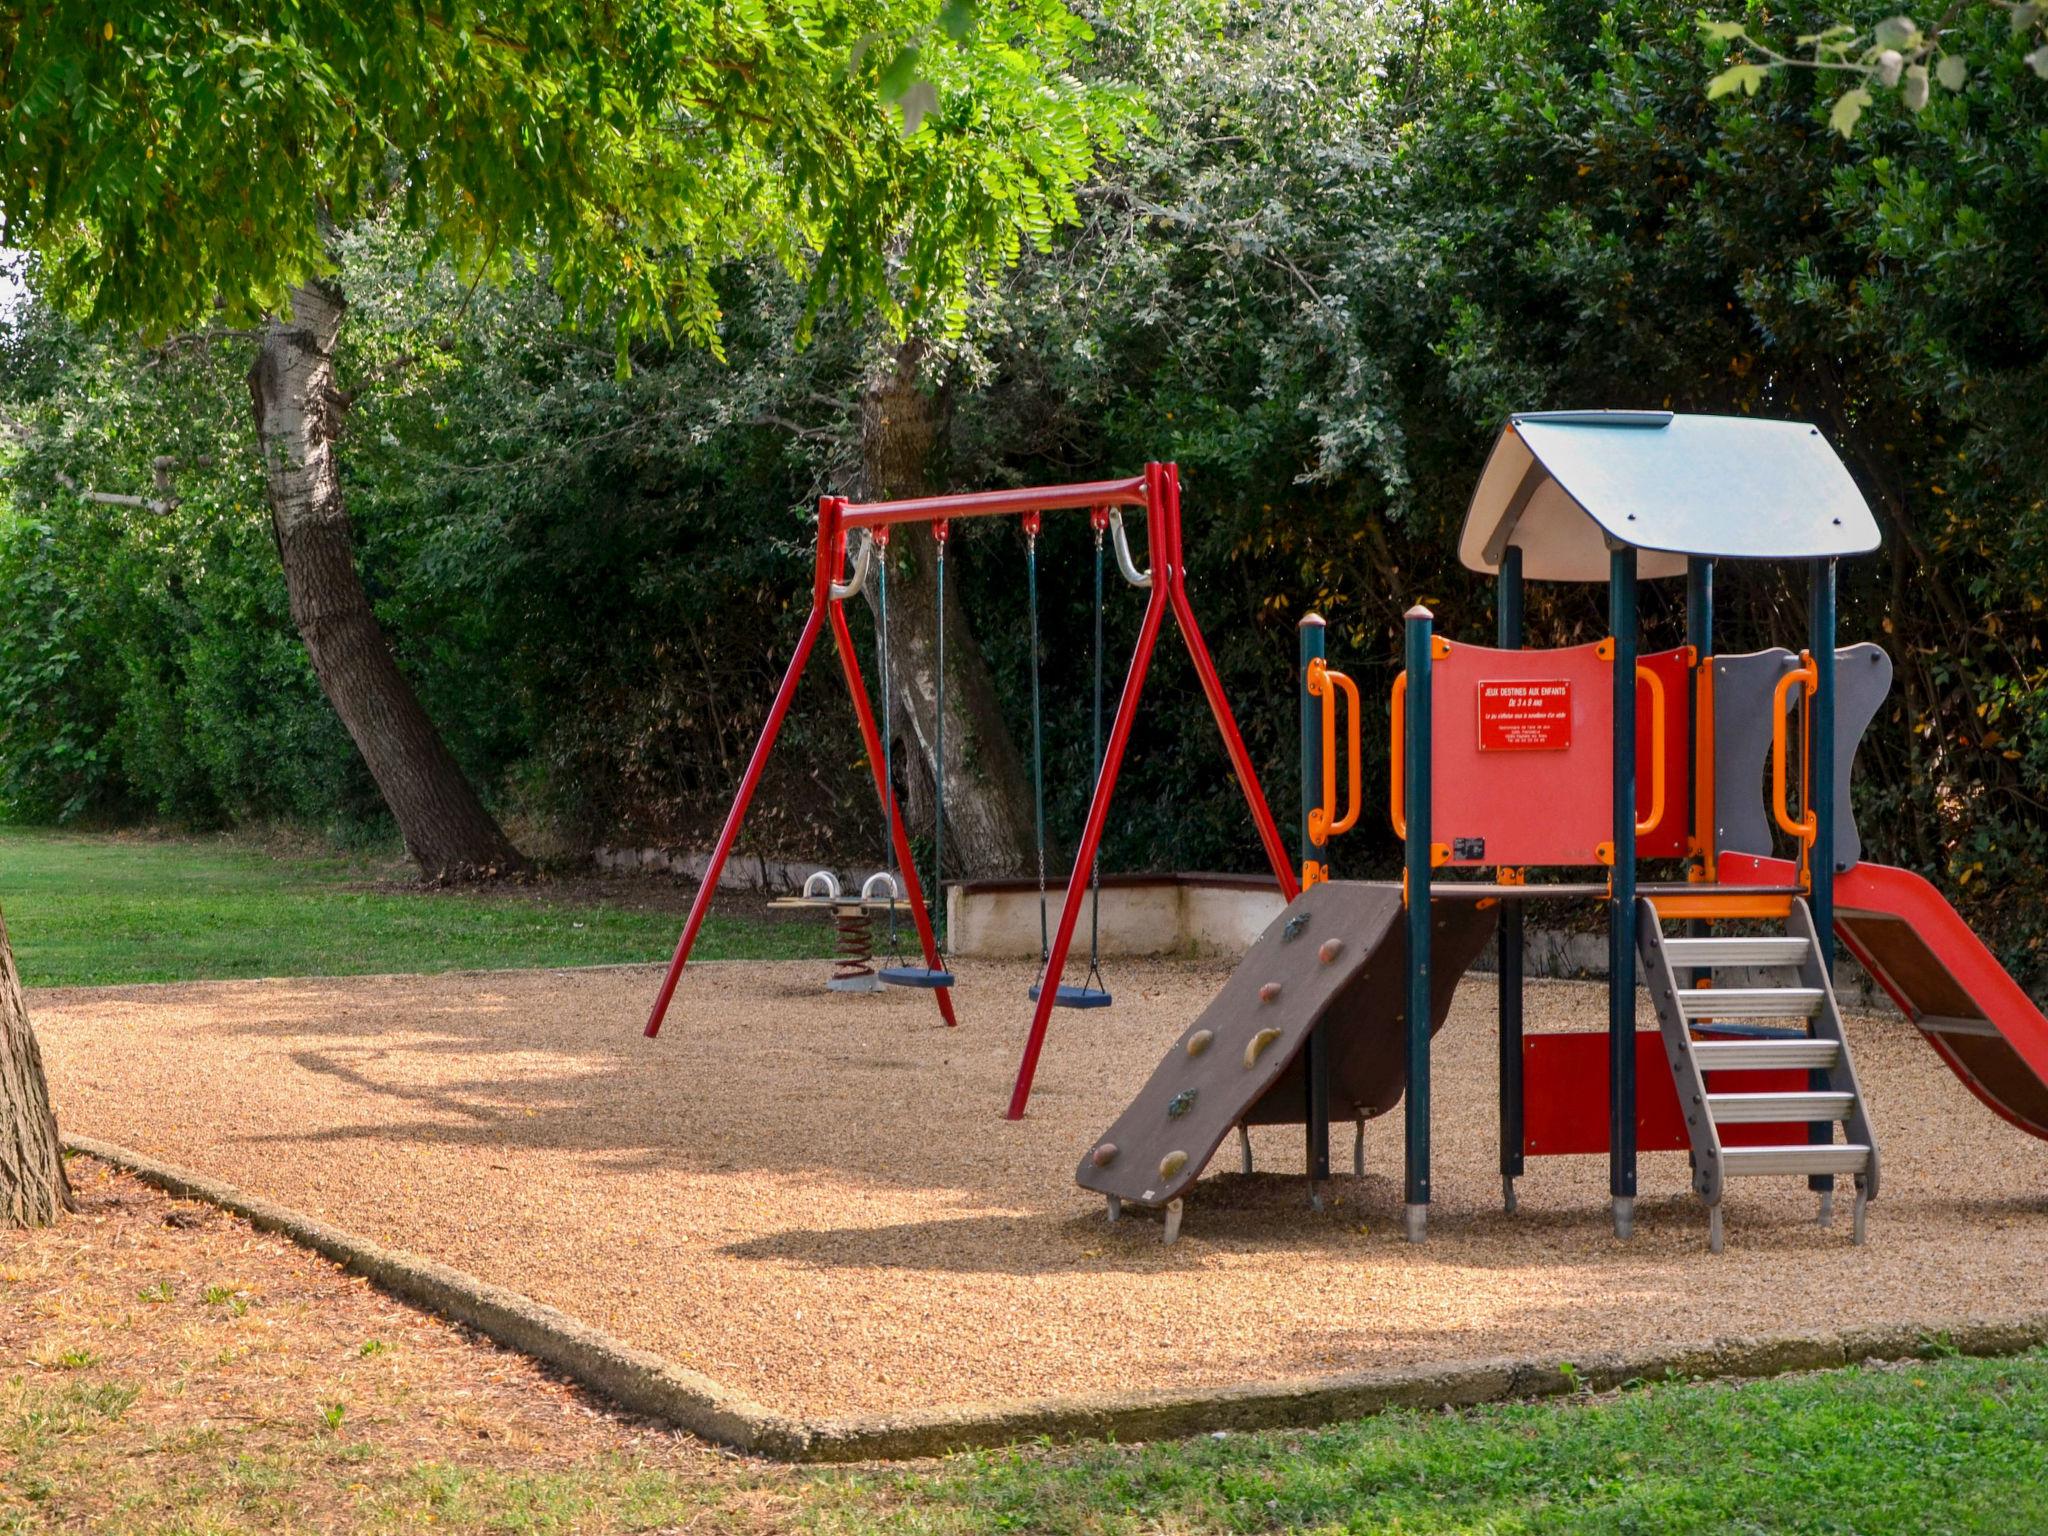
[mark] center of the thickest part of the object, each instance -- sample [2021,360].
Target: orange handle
[1397,732]
[1649,823]
[1325,682]
[1806,676]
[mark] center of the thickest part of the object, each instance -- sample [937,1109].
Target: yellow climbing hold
[1172,1163]
[1198,1042]
[1259,1042]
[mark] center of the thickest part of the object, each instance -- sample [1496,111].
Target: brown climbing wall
[1337,954]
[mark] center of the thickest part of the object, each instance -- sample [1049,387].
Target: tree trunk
[299,413]
[33,1188]
[988,800]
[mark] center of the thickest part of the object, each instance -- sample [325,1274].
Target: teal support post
[1820,749]
[1699,634]
[1508,635]
[1415,772]
[1621,912]
[1315,1057]
[1314,638]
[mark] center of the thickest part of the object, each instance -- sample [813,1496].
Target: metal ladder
[1831,1097]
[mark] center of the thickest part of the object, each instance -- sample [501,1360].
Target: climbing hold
[1198,1042]
[1270,992]
[1331,949]
[1172,1163]
[1259,1042]
[1180,1103]
[1104,1155]
[1294,926]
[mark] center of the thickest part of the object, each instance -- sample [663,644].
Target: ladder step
[1765,1055]
[1765,950]
[1750,1002]
[1757,1108]
[1798,1158]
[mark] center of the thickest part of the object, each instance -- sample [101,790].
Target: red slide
[1921,951]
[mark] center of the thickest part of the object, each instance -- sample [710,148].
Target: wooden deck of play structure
[815,1199]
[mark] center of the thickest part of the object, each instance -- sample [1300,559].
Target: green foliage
[1349,244]
[174,159]
[1890,53]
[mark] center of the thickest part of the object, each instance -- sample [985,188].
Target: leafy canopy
[177,161]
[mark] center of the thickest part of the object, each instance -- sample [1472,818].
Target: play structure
[1156,493]
[1598,757]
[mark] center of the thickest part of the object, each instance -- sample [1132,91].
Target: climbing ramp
[1336,957]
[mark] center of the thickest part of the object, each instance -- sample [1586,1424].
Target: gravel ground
[814,1199]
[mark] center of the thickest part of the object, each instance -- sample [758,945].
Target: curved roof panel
[1560,485]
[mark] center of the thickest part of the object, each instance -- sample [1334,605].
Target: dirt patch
[187,1340]
[814,1199]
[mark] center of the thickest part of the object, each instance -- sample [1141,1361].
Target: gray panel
[1723,487]
[1743,686]
[1863,677]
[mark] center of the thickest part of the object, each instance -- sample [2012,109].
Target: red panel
[1564,1102]
[1523,754]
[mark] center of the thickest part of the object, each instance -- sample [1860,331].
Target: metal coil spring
[856,943]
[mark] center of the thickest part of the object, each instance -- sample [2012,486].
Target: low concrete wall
[1141,915]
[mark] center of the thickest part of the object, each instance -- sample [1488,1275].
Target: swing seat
[1075,997]
[914,976]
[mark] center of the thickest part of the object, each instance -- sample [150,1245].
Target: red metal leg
[849,661]
[1091,839]
[1233,742]
[755,765]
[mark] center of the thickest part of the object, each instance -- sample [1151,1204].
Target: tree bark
[988,800]
[299,414]
[33,1188]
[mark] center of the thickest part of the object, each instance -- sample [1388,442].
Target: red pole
[849,662]
[1219,705]
[1098,806]
[830,554]
[755,765]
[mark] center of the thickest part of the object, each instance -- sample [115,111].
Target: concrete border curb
[644,1382]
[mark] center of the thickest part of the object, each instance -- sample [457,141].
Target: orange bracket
[1805,676]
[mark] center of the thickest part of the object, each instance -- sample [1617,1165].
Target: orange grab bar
[1649,823]
[1324,682]
[1397,734]
[1806,676]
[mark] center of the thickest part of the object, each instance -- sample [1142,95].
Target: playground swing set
[1506,760]
[1157,493]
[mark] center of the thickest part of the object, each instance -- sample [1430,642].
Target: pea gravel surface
[814,1199]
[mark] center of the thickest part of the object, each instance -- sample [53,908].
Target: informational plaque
[1525,715]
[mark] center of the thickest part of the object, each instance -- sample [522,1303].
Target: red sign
[1529,715]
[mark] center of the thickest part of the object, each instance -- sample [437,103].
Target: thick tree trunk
[988,800]
[298,419]
[33,1188]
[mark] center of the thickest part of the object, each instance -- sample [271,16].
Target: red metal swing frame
[1157,491]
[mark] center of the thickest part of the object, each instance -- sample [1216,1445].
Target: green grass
[88,910]
[1942,1446]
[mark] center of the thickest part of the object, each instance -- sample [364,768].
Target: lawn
[91,910]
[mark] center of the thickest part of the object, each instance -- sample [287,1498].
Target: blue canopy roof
[1561,486]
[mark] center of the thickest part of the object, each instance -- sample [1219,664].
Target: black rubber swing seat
[914,976]
[1075,997]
